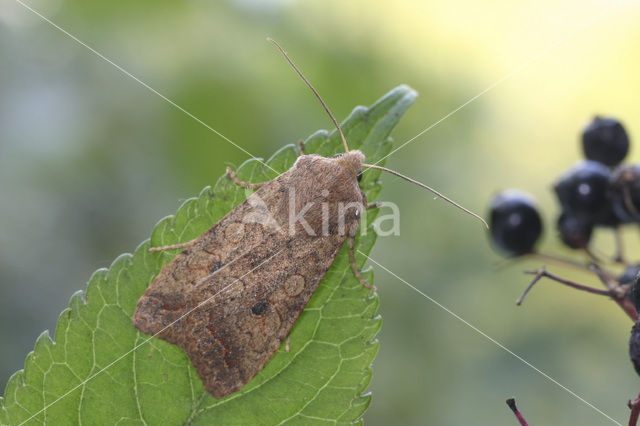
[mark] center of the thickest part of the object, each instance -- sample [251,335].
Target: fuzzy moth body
[230,299]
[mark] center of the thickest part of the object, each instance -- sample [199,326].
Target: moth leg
[287,347]
[375,205]
[354,267]
[301,145]
[174,246]
[243,184]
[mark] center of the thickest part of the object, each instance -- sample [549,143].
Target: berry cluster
[599,191]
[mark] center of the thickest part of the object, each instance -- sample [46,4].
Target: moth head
[352,161]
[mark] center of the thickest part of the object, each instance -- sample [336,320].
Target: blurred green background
[90,160]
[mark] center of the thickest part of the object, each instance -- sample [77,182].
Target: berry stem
[511,402]
[605,277]
[542,273]
[635,411]
[619,247]
[529,287]
[592,255]
[628,307]
[618,293]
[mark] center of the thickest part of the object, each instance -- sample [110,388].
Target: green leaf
[100,370]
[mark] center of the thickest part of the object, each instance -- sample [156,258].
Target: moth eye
[357,213]
[340,154]
[359,176]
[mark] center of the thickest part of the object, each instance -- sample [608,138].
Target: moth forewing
[231,297]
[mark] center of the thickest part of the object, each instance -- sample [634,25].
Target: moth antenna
[428,188]
[315,92]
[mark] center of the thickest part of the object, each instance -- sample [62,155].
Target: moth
[230,298]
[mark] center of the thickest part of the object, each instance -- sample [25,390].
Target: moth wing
[240,316]
[239,232]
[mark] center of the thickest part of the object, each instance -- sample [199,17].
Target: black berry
[605,140]
[634,294]
[634,346]
[575,229]
[515,222]
[634,340]
[584,189]
[629,275]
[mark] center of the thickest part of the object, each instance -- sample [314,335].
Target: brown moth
[256,279]
[231,297]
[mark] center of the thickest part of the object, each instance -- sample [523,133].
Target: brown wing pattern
[250,307]
[237,233]
[232,297]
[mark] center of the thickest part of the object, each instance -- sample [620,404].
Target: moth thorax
[352,161]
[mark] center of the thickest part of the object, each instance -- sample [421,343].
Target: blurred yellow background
[90,160]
